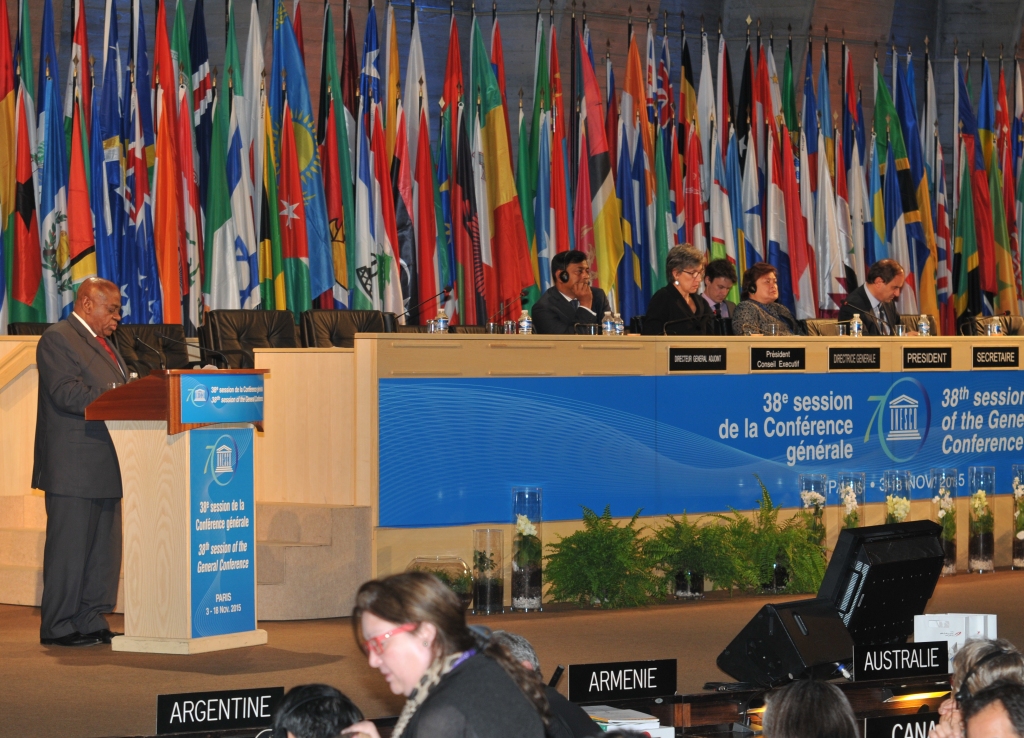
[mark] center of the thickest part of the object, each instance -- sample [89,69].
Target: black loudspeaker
[881,576]
[788,641]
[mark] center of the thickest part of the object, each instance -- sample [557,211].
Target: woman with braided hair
[457,683]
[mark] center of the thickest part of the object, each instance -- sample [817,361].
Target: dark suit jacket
[668,305]
[859,302]
[74,457]
[553,314]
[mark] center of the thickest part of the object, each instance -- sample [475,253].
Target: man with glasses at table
[875,300]
[571,302]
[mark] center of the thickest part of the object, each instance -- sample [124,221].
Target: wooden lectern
[184,441]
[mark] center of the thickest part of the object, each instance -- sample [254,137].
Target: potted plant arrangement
[488,582]
[897,509]
[814,515]
[851,497]
[897,499]
[526,566]
[981,544]
[604,564]
[1018,516]
[451,570]
[944,482]
[688,554]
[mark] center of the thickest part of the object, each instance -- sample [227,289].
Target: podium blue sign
[222,532]
[221,398]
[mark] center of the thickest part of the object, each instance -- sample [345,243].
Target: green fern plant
[685,546]
[605,564]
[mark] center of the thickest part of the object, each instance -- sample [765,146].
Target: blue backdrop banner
[223,532]
[451,449]
[221,398]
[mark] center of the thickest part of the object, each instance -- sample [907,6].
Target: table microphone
[664,328]
[445,292]
[159,355]
[186,344]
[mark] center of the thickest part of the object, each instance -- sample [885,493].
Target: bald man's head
[99,305]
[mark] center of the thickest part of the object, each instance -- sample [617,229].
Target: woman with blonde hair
[456,682]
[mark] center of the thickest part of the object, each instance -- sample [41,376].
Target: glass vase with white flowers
[851,487]
[1018,516]
[527,549]
[812,495]
[944,484]
[981,482]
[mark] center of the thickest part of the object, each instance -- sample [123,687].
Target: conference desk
[432,431]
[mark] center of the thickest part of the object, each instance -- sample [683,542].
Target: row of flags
[193,191]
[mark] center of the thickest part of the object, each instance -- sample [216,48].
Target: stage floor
[95,692]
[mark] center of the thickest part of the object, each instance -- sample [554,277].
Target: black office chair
[466,329]
[327,328]
[910,324]
[1012,325]
[822,327]
[146,348]
[410,329]
[27,329]
[235,333]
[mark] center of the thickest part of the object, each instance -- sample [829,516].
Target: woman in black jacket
[457,683]
[676,309]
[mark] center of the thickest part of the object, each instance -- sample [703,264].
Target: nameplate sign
[194,712]
[777,359]
[621,680]
[901,726]
[929,658]
[854,358]
[221,398]
[996,357]
[696,359]
[927,358]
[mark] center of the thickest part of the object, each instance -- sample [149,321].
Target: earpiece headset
[963,694]
[563,276]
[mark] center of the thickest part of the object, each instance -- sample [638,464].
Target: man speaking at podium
[76,465]
[571,300]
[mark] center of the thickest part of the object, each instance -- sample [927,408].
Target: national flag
[140,287]
[629,277]
[221,283]
[533,171]
[775,94]
[332,140]
[364,264]
[466,232]
[164,68]
[385,224]
[896,231]
[875,248]
[752,241]
[745,102]
[583,223]
[202,99]
[851,249]
[81,241]
[705,111]
[611,126]
[432,267]
[140,58]
[809,123]
[723,242]
[392,86]
[102,205]
[246,244]
[824,101]
[801,256]
[1004,154]
[287,60]
[7,161]
[297,27]
[47,70]
[734,186]
[944,245]
[292,218]
[829,235]
[687,110]
[789,91]
[608,239]
[777,227]
[55,241]
[723,99]
[78,63]
[192,280]
[666,95]
[693,202]
[405,246]
[809,215]
[929,123]
[498,64]
[561,201]
[273,295]
[251,120]
[967,290]
[26,302]
[987,130]
[168,233]
[978,171]
[1006,295]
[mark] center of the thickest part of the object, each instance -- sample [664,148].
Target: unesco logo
[901,419]
[198,395]
[222,460]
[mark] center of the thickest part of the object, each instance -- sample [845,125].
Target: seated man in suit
[76,466]
[719,278]
[571,300]
[875,300]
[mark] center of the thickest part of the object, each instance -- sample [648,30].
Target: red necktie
[106,347]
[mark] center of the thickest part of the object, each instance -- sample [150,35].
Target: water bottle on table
[608,324]
[525,323]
